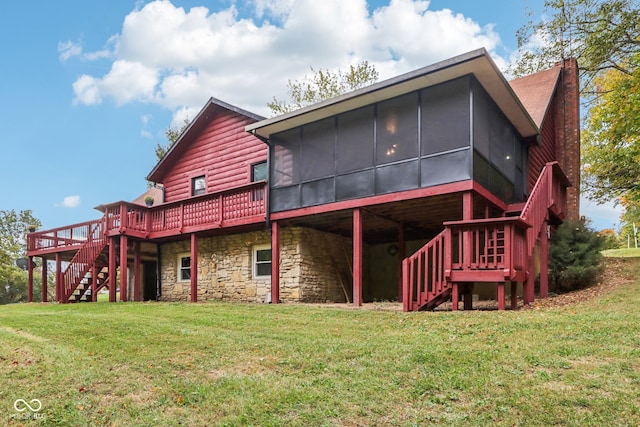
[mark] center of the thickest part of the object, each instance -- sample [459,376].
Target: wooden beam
[94,283]
[402,254]
[113,269]
[357,257]
[29,279]
[136,271]
[44,279]
[275,262]
[123,267]
[544,261]
[194,267]
[59,291]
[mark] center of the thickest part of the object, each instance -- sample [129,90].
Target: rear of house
[431,186]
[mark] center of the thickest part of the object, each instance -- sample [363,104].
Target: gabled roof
[477,62]
[211,108]
[535,92]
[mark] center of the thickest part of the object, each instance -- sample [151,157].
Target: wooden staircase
[77,279]
[492,250]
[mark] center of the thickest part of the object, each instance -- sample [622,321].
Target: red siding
[539,155]
[222,151]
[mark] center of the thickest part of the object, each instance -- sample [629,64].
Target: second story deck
[236,207]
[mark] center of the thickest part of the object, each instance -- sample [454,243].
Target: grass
[148,364]
[622,253]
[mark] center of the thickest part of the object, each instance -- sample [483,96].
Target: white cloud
[178,58]
[71,201]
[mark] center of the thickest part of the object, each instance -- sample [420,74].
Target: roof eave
[476,62]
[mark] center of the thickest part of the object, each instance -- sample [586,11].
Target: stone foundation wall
[314,267]
[224,269]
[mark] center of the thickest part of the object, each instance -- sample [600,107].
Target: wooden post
[406,297]
[94,283]
[113,270]
[59,287]
[30,279]
[544,262]
[402,254]
[514,295]
[136,271]
[455,296]
[529,285]
[123,267]
[194,267]
[275,262]
[44,280]
[467,215]
[357,257]
[500,295]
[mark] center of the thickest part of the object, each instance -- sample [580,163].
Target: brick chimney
[568,132]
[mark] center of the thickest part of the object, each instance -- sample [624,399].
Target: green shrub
[574,257]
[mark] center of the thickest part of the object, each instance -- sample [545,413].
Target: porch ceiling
[422,218]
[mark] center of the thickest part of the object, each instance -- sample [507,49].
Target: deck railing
[69,237]
[423,274]
[227,208]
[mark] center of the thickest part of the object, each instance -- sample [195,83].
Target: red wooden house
[430,186]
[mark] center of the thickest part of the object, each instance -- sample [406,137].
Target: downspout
[268,198]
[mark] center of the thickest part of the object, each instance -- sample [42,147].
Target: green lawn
[622,253]
[143,364]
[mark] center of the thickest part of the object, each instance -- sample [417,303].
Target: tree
[324,84]
[604,36]
[13,230]
[172,134]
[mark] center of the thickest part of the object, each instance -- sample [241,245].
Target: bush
[574,257]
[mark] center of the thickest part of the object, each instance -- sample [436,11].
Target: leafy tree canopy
[604,36]
[172,134]
[324,84]
[13,229]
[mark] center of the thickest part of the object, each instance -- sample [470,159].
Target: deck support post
[529,285]
[94,283]
[59,286]
[194,267]
[357,257]
[123,267]
[30,279]
[401,256]
[514,295]
[275,262]
[544,261]
[136,271]
[500,295]
[44,280]
[113,270]
[455,296]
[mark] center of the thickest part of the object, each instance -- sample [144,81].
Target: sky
[87,89]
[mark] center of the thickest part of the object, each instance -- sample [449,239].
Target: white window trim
[179,266]
[254,259]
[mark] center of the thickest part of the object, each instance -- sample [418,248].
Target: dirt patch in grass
[617,272]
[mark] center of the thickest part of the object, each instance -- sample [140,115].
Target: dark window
[261,261]
[198,185]
[318,150]
[184,268]
[397,129]
[446,117]
[286,158]
[355,140]
[259,172]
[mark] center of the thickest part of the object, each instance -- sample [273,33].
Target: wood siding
[540,155]
[223,152]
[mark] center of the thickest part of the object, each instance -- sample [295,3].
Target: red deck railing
[237,206]
[423,274]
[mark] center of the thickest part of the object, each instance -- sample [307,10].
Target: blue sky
[87,89]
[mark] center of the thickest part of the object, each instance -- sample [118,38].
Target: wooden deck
[226,209]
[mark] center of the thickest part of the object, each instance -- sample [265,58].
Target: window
[259,172]
[198,186]
[184,268]
[261,261]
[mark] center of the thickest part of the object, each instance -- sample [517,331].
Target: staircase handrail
[83,259]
